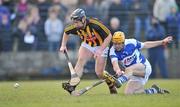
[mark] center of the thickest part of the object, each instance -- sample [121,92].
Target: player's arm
[64,42]
[114,61]
[103,46]
[151,44]
[106,41]
[105,33]
[65,39]
[103,30]
[70,29]
[116,67]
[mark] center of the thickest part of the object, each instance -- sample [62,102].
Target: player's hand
[167,40]
[98,53]
[63,49]
[119,72]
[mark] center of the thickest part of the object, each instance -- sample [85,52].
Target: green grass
[50,94]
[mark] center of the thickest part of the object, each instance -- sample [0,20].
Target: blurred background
[31,32]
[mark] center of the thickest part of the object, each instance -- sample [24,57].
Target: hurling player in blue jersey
[137,67]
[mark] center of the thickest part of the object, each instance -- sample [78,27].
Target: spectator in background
[103,10]
[10,5]
[114,25]
[157,54]
[43,7]
[5,34]
[178,3]
[90,8]
[20,32]
[162,9]
[127,3]
[4,17]
[1,46]
[28,29]
[5,28]
[173,22]
[117,9]
[53,29]
[141,10]
[5,24]
[21,9]
[62,7]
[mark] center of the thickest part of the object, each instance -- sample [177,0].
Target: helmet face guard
[76,18]
[118,37]
[78,15]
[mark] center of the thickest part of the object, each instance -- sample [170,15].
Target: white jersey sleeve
[138,44]
[113,55]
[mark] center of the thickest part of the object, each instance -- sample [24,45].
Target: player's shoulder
[112,51]
[112,48]
[94,20]
[69,27]
[130,41]
[97,24]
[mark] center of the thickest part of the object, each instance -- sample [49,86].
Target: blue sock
[150,91]
[122,79]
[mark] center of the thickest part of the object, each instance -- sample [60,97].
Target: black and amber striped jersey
[93,33]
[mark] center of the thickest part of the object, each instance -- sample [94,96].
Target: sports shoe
[160,90]
[112,87]
[118,84]
[69,88]
[113,90]
[111,78]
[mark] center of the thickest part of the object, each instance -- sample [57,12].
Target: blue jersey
[130,54]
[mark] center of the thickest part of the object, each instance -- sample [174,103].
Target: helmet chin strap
[84,24]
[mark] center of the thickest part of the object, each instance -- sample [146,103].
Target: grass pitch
[50,94]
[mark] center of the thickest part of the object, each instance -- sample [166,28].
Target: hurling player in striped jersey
[95,38]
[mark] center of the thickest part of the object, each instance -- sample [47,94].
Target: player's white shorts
[148,71]
[93,49]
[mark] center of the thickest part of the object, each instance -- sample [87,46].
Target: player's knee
[128,92]
[81,61]
[128,70]
[138,91]
[99,74]
[133,91]
[79,73]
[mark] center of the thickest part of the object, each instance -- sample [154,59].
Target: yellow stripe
[98,37]
[90,43]
[84,35]
[81,36]
[100,24]
[90,34]
[68,28]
